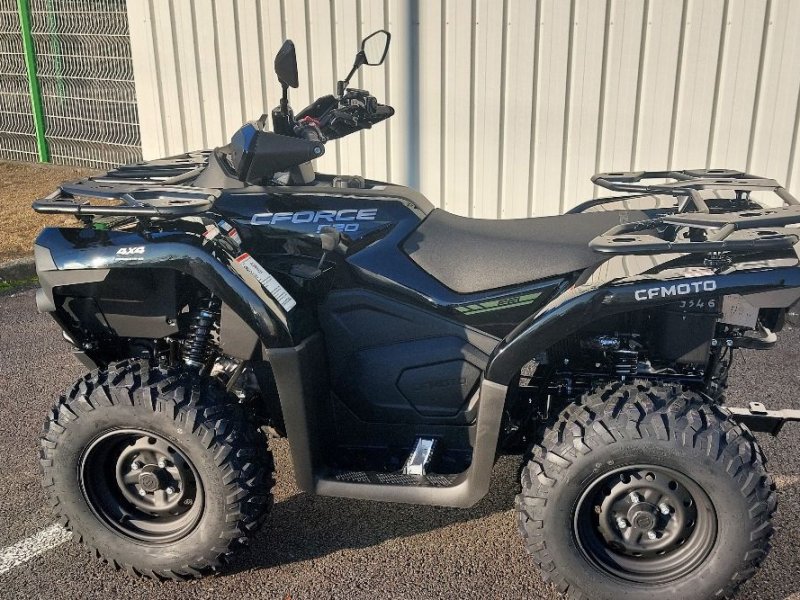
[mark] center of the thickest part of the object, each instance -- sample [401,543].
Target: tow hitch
[758,418]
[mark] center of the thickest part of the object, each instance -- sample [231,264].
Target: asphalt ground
[334,548]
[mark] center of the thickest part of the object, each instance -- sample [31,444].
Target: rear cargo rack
[691,182]
[699,225]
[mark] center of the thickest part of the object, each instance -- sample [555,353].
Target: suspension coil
[197,349]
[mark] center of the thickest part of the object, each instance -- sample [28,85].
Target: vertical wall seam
[637,108]
[414,147]
[218,66]
[602,102]
[501,141]
[793,147]
[334,54]
[676,95]
[534,107]
[309,53]
[178,81]
[387,90]
[472,53]
[262,53]
[774,113]
[199,72]
[157,69]
[759,82]
[567,101]
[361,135]
[442,108]
[239,66]
[712,132]
[283,20]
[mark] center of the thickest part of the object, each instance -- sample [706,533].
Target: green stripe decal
[499,304]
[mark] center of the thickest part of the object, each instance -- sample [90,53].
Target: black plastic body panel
[137,304]
[374,224]
[574,310]
[392,362]
[257,155]
[302,384]
[85,255]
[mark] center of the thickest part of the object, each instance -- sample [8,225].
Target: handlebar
[333,118]
[308,129]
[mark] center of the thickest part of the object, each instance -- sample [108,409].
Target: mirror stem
[341,86]
[285,100]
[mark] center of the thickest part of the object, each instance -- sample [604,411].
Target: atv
[221,297]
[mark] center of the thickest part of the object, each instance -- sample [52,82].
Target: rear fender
[582,305]
[71,256]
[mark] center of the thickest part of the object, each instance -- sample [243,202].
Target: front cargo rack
[152,189]
[698,224]
[138,201]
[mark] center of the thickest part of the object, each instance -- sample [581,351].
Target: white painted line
[38,543]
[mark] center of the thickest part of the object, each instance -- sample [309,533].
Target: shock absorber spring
[197,348]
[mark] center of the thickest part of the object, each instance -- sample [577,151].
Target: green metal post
[24,9]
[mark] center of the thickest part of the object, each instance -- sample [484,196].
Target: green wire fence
[66,83]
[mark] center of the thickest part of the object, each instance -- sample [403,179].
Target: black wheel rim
[142,486]
[645,524]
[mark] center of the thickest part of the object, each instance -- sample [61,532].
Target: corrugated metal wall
[504,107]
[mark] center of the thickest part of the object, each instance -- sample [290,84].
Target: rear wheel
[157,471]
[645,491]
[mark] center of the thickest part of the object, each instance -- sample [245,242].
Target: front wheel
[646,491]
[159,472]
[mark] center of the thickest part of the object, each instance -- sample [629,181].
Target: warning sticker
[268,281]
[231,232]
[211,232]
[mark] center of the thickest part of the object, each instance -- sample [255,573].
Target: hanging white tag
[268,281]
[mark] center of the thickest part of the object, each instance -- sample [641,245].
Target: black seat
[474,255]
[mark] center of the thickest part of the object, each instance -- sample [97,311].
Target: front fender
[69,256]
[580,306]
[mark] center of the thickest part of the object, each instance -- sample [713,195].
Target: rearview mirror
[375,46]
[286,65]
[372,52]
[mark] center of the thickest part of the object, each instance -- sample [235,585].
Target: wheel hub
[643,514]
[643,519]
[141,485]
[153,479]
[644,523]
[150,481]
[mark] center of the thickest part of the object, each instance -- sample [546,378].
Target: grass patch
[10,286]
[21,184]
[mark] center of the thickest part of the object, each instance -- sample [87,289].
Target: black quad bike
[222,295]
